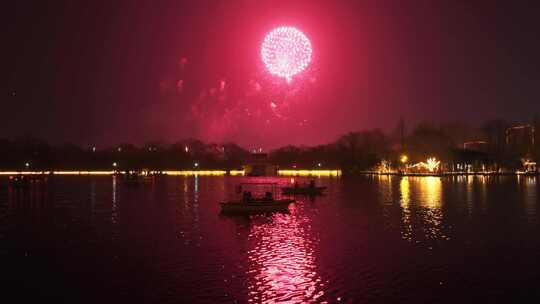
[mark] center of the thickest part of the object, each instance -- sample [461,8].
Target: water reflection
[432,213]
[114,207]
[386,187]
[282,262]
[421,208]
[190,215]
[404,189]
[530,197]
[431,187]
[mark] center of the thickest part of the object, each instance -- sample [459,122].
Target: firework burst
[286,52]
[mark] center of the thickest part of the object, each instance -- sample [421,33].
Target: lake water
[371,239]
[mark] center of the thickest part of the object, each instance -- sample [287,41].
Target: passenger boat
[132,178]
[19,181]
[310,189]
[303,190]
[252,199]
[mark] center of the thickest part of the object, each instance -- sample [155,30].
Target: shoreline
[444,174]
[292,173]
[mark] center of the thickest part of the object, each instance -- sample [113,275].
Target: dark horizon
[105,73]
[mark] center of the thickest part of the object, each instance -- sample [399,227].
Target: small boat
[309,189]
[281,205]
[132,178]
[19,181]
[303,190]
[248,203]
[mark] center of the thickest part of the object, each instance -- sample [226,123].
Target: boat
[303,190]
[281,205]
[310,189]
[132,178]
[19,181]
[252,199]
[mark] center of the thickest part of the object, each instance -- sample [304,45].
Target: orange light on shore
[179,172]
[309,172]
[404,158]
[78,172]
[83,172]
[196,172]
[237,172]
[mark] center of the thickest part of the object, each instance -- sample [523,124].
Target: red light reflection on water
[282,262]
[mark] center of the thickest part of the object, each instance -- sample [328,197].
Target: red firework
[286,52]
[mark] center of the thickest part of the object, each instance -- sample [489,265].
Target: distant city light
[186,148]
[319,165]
[119,149]
[196,164]
[27,164]
[93,149]
[114,164]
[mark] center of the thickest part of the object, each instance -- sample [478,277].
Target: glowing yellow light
[237,172]
[196,172]
[83,172]
[404,158]
[180,172]
[309,172]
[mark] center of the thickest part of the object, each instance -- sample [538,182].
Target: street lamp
[404,158]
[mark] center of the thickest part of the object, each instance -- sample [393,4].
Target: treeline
[352,152]
[34,154]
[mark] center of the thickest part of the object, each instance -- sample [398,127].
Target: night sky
[106,72]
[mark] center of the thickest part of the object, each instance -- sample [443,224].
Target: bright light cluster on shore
[432,164]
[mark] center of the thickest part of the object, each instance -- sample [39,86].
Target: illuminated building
[520,139]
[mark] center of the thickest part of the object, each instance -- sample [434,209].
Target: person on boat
[246,196]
